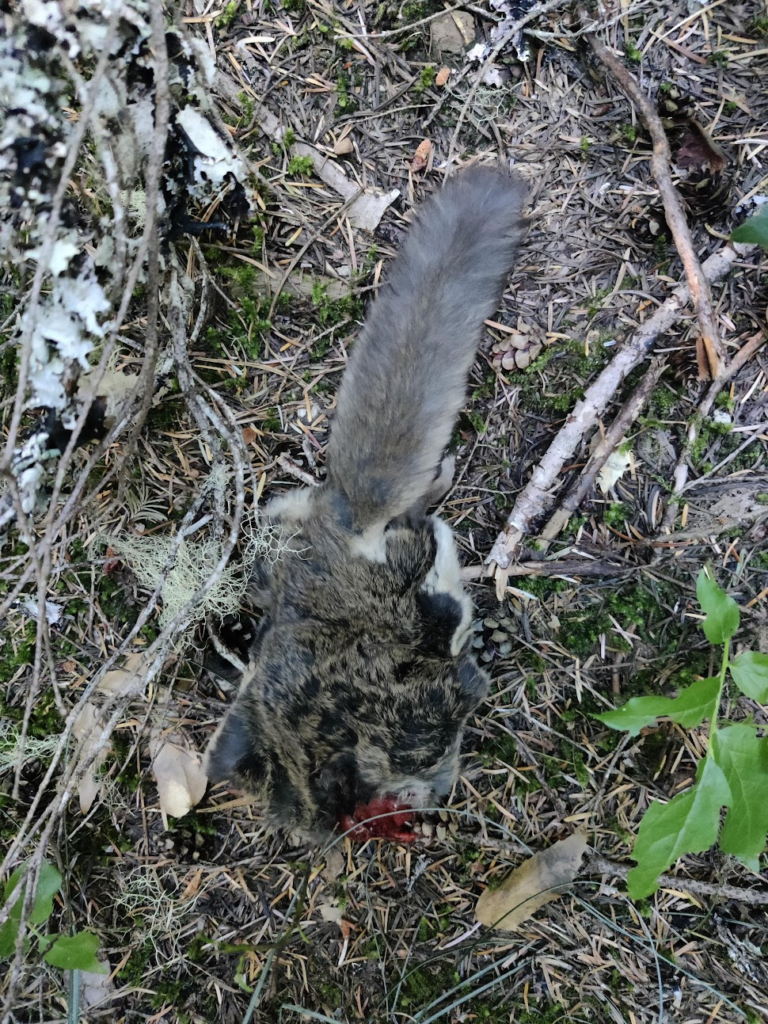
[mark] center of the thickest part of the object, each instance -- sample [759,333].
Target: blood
[396,826]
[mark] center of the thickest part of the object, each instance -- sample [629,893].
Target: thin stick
[661,162]
[603,866]
[610,442]
[539,493]
[680,478]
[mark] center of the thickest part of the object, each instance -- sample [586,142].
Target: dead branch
[603,866]
[539,493]
[608,444]
[661,162]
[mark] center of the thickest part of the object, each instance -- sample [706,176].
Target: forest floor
[214,917]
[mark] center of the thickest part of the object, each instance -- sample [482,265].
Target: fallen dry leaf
[249,435]
[178,771]
[193,885]
[442,77]
[422,155]
[86,731]
[335,863]
[329,913]
[343,147]
[613,470]
[537,881]
[699,151]
[95,989]
[120,682]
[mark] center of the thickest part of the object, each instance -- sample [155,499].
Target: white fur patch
[370,544]
[445,578]
[293,505]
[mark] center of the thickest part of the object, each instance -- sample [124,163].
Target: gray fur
[406,379]
[361,680]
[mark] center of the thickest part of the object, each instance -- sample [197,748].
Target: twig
[293,469]
[539,493]
[661,161]
[555,567]
[742,357]
[609,443]
[603,866]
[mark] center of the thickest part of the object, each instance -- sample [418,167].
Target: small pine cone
[517,351]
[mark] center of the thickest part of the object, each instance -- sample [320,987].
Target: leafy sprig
[70,952]
[734,773]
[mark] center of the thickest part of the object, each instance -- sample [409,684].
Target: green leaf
[76,953]
[8,932]
[689,823]
[750,673]
[743,759]
[48,884]
[689,708]
[754,229]
[722,612]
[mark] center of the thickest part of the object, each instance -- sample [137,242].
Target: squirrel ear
[232,751]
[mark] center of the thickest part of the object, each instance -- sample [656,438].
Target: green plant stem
[723,672]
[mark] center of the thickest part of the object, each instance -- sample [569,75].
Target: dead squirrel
[361,678]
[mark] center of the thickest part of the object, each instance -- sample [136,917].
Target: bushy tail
[406,379]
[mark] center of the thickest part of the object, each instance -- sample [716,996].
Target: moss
[427,984]
[634,56]
[576,759]
[615,514]
[228,15]
[133,972]
[549,1013]
[629,132]
[470,420]
[17,653]
[346,103]
[499,748]
[300,165]
[426,79]
[9,374]
[662,403]
[577,363]
[719,59]
[332,313]
[415,10]
[249,106]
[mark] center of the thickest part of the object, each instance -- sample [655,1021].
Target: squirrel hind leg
[444,578]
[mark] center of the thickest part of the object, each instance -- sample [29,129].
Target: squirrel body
[360,679]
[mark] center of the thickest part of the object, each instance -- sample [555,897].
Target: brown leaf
[193,885]
[86,730]
[249,435]
[697,151]
[178,771]
[537,881]
[120,682]
[422,155]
